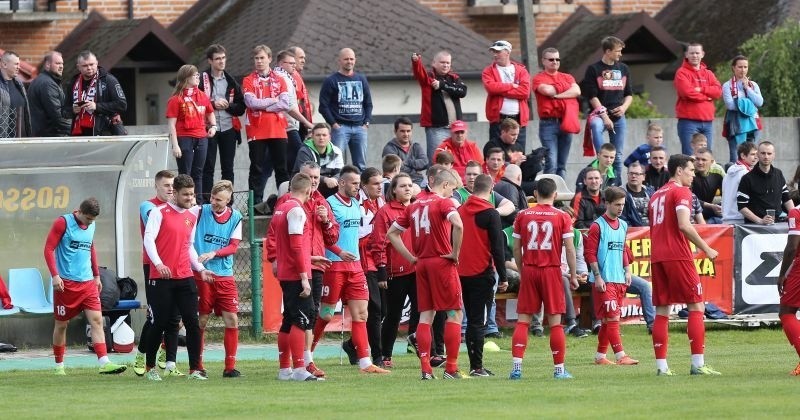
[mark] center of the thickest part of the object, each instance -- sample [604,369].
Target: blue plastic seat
[127,305]
[27,291]
[12,311]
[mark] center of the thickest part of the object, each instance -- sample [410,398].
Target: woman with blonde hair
[189,113]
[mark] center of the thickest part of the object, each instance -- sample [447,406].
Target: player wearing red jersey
[436,236]
[611,275]
[70,256]
[539,234]
[292,252]
[789,285]
[674,276]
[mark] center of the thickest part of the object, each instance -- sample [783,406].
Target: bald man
[346,104]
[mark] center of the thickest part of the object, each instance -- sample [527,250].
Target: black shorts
[297,310]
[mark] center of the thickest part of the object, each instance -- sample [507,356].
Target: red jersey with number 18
[541,231]
[667,241]
[430,229]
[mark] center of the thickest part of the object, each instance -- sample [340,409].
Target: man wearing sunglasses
[556,100]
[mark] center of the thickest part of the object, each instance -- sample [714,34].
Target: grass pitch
[754,384]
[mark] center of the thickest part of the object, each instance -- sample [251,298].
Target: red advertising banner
[716,276]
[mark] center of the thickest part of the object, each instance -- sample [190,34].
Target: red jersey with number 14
[667,241]
[541,231]
[430,228]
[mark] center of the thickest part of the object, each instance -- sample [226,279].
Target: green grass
[754,363]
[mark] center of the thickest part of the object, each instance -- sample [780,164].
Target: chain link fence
[11,122]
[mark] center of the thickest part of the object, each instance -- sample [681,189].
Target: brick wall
[551,13]
[32,39]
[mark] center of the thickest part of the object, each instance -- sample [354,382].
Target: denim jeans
[687,128]
[733,154]
[640,287]
[557,143]
[226,143]
[434,136]
[192,160]
[354,139]
[494,133]
[617,138]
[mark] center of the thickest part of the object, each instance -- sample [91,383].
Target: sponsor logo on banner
[761,263]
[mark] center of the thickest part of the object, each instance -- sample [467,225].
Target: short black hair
[402,120]
[676,161]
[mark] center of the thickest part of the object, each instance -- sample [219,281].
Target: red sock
[319,331]
[791,327]
[602,339]
[202,348]
[661,336]
[99,349]
[358,333]
[58,352]
[424,346]
[519,341]
[297,341]
[558,344]
[163,344]
[284,352]
[696,331]
[452,344]
[612,332]
[231,342]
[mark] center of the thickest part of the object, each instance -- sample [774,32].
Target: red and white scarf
[85,118]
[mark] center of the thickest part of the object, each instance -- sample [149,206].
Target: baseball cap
[458,125]
[501,45]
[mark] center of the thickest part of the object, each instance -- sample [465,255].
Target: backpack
[109,295]
[128,289]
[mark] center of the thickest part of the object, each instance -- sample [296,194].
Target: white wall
[662,93]
[152,83]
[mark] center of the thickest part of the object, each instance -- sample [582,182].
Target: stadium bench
[27,291]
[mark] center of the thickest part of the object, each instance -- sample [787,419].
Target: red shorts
[438,285]
[675,282]
[344,285]
[791,290]
[220,296]
[76,297]
[541,285]
[608,304]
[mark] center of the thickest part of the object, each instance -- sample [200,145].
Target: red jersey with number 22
[667,241]
[430,229]
[541,231]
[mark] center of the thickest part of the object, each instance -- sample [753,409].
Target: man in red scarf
[95,98]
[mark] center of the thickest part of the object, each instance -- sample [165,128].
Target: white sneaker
[303,375]
[284,376]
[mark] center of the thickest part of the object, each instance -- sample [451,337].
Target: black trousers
[316,294]
[170,335]
[167,295]
[437,328]
[376,311]
[296,310]
[226,143]
[260,151]
[398,289]
[295,142]
[477,292]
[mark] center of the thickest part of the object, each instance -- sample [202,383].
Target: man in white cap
[508,87]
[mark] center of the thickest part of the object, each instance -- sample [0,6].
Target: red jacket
[322,236]
[433,112]
[476,256]
[691,104]
[497,90]
[383,253]
[461,154]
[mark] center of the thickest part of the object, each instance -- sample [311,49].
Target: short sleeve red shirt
[430,228]
[541,231]
[190,111]
[668,242]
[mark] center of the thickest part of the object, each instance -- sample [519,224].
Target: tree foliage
[642,107]
[773,59]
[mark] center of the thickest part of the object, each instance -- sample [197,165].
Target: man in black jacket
[415,161]
[588,203]
[13,99]
[510,187]
[93,99]
[226,97]
[46,97]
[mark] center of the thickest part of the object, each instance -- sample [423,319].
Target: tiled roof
[578,39]
[383,34]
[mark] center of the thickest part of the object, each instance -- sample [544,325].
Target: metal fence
[11,122]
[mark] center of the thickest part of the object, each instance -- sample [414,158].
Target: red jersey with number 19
[667,241]
[430,229]
[541,230]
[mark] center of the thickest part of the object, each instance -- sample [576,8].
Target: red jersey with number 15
[667,241]
[430,228]
[541,231]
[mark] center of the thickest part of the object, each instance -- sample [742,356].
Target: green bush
[641,107]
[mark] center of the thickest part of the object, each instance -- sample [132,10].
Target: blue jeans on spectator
[733,155]
[434,136]
[617,138]
[192,160]
[494,133]
[352,138]
[687,128]
[640,287]
[557,143]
